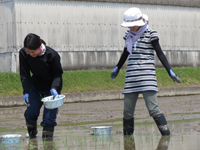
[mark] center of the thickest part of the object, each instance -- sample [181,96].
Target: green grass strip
[99,80]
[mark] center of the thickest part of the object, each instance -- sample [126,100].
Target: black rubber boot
[47,133]
[32,130]
[162,124]
[128,125]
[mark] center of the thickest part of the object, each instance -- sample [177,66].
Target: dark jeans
[33,111]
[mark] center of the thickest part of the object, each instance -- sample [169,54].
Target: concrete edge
[104,95]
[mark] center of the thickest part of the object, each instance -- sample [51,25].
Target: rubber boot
[128,126]
[32,130]
[162,124]
[47,133]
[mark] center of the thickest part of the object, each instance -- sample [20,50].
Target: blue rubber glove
[54,93]
[174,77]
[25,99]
[115,72]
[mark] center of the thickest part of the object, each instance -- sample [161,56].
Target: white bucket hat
[146,18]
[133,17]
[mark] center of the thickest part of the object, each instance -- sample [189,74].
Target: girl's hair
[33,41]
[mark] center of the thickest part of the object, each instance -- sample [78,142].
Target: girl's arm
[164,61]
[161,55]
[123,58]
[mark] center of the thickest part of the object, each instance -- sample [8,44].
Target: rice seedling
[44,144]
[109,144]
[141,139]
[76,141]
[95,142]
[85,138]
[157,136]
[65,145]
[31,144]
[102,142]
[54,145]
[163,138]
[119,143]
[3,146]
[146,136]
[80,142]
[182,137]
[152,139]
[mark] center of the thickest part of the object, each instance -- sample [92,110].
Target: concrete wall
[88,35]
[185,3]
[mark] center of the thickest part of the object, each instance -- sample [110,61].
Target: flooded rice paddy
[146,137]
[75,120]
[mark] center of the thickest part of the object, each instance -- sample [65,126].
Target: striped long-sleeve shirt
[140,75]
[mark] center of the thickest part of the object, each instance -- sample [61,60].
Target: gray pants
[150,100]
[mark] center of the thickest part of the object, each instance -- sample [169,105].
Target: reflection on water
[146,137]
[163,143]
[129,142]
[33,144]
[10,147]
[102,138]
[47,144]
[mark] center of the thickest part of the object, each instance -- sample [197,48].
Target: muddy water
[146,137]
[76,119]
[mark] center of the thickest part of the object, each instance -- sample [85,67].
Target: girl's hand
[174,77]
[54,93]
[115,72]
[25,99]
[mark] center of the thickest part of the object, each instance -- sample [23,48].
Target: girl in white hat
[141,41]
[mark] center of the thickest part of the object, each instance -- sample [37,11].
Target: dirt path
[174,108]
